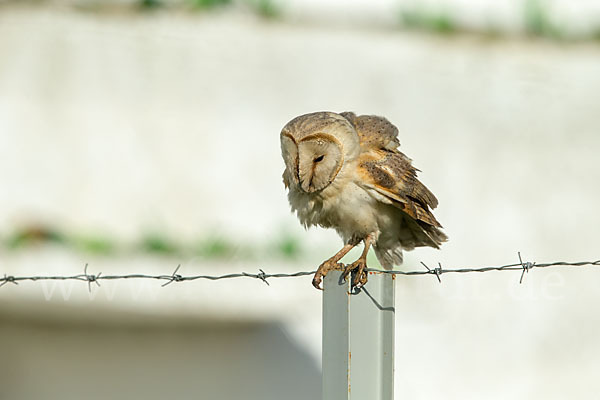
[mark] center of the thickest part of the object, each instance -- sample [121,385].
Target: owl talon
[359,274]
[323,270]
[360,279]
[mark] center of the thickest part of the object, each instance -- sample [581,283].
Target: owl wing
[393,179]
[387,170]
[374,132]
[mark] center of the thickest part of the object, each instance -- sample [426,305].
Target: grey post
[358,339]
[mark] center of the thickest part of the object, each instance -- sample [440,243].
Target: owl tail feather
[388,257]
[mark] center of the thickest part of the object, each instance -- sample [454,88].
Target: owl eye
[319,159]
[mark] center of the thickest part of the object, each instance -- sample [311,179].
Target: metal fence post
[358,339]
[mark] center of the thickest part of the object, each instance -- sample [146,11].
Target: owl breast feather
[347,208]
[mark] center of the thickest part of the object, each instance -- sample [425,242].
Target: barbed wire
[523,266]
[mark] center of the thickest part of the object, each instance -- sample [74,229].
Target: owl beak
[305,186]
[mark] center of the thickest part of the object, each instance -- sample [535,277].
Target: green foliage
[94,244]
[216,247]
[537,20]
[288,246]
[146,4]
[283,245]
[34,235]
[207,4]
[156,243]
[266,8]
[439,22]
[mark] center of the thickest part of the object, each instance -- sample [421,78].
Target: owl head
[315,147]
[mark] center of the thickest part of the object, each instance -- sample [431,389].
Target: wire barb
[263,277]
[436,271]
[90,278]
[7,279]
[175,277]
[526,267]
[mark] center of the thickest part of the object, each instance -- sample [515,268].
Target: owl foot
[357,268]
[323,270]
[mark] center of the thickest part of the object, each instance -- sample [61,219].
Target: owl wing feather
[374,131]
[390,173]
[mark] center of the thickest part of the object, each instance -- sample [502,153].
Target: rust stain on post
[349,368]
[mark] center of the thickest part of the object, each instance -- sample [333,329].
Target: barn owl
[345,172]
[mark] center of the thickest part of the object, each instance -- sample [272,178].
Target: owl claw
[316,282]
[323,270]
[358,272]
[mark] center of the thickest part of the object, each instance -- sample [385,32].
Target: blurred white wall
[124,123]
